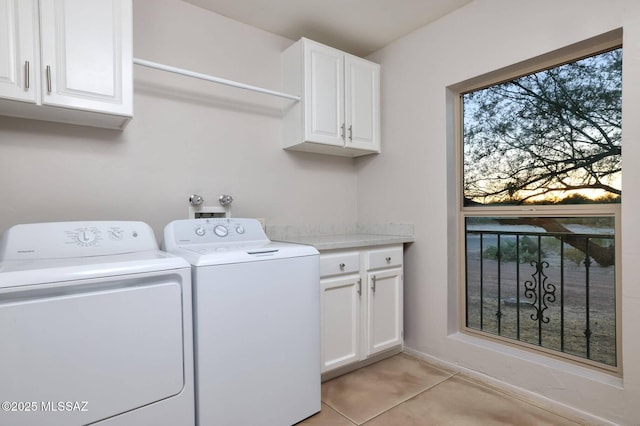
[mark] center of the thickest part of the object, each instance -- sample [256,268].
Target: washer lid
[220,254]
[40,271]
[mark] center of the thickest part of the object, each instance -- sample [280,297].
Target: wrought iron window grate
[544,289]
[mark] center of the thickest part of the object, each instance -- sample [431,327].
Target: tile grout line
[341,414]
[409,397]
[508,394]
[448,374]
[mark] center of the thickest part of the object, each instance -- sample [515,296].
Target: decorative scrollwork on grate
[548,290]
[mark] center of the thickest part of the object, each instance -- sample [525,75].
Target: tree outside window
[549,137]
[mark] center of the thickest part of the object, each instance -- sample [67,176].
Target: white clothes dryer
[95,327]
[257,322]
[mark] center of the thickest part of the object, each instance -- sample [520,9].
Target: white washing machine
[257,322]
[95,327]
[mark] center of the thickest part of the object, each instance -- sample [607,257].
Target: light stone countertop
[334,237]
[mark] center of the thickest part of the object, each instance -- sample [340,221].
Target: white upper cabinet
[86,49]
[18,49]
[323,95]
[339,112]
[76,56]
[362,104]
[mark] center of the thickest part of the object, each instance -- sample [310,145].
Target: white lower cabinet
[361,304]
[384,310]
[340,326]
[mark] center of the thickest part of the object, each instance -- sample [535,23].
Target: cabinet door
[384,311]
[362,104]
[340,320]
[324,94]
[18,49]
[86,54]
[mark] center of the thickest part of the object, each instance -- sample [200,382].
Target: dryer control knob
[200,231]
[240,229]
[221,231]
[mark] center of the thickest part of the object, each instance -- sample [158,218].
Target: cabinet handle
[342,265]
[26,74]
[388,259]
[350,132]
[373,281]
[342,131]
[48,79]
[359,286]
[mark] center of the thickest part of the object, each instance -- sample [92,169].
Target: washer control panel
[57,240]
[212,231]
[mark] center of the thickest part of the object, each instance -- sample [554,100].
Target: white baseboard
[540,401]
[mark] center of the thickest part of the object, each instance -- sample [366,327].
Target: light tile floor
[405,391]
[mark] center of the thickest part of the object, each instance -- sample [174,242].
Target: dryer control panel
[60,240]
[212,231]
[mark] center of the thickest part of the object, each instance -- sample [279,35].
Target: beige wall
[189,136]
[186,136]
[413,182]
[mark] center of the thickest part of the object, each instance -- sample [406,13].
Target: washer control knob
[221,231]
[200,231]
[239,229]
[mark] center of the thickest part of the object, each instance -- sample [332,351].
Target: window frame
[600,44]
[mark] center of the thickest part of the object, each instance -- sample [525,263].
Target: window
[541,189]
